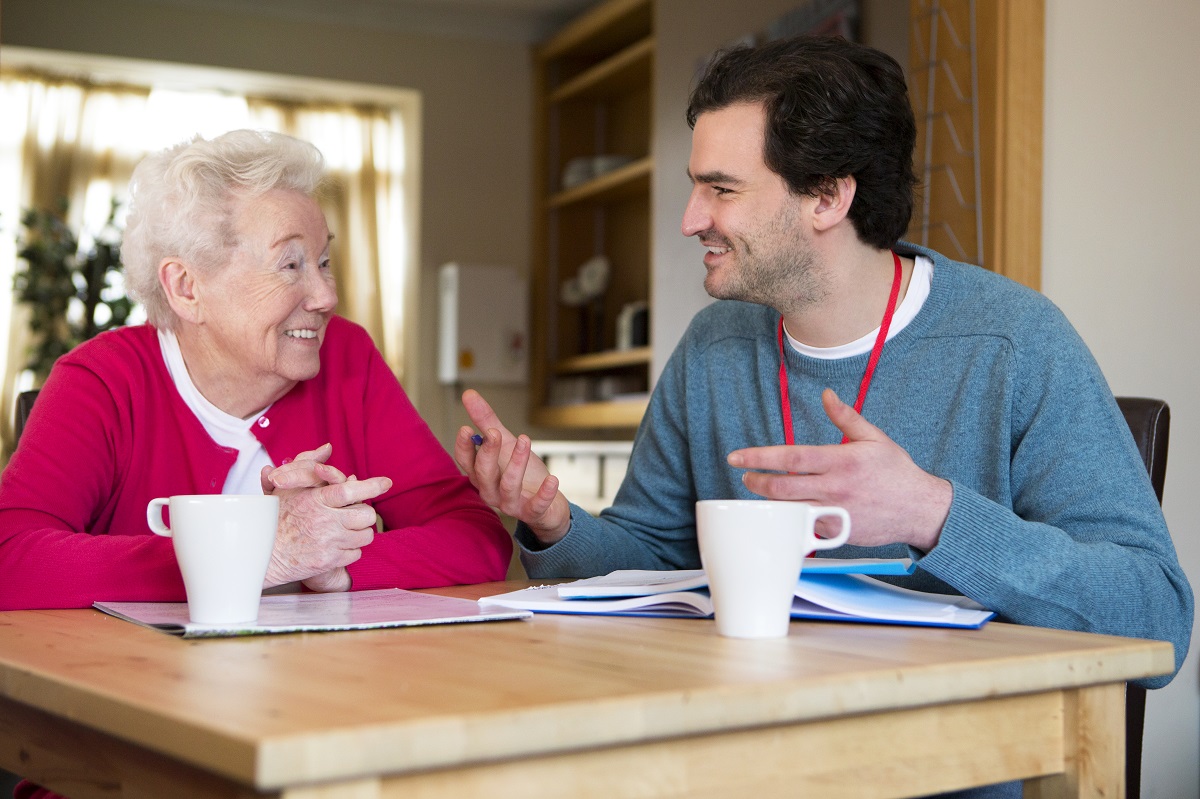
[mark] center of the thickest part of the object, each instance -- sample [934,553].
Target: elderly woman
[243,381]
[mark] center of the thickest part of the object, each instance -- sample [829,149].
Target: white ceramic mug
[223,544]
[752,551]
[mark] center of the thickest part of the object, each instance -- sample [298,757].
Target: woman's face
[267,309]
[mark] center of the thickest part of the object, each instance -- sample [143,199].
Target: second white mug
[752,552]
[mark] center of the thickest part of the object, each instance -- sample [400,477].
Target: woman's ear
[833,203]
[179,284]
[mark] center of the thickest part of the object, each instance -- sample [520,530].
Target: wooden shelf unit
[609,359]
[592,414]
[630,180]
[592,97]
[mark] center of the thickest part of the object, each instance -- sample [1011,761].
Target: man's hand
[323,520]
[508,475]
[890,498]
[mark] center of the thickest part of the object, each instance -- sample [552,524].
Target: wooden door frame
[1010,52]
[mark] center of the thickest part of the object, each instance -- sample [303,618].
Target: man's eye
[721,190]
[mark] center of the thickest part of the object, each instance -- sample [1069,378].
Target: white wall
[1122,259]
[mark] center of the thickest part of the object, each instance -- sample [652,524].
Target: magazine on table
[290,613]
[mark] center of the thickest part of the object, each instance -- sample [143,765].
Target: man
[986,445]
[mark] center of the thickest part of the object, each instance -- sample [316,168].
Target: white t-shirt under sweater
[226,430]
[914,298]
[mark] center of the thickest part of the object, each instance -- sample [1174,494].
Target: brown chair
[1150,422]
[24,406]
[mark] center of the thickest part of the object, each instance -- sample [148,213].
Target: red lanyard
[876,352]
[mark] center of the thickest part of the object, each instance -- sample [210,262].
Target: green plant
[69,290]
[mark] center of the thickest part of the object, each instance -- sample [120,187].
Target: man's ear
[833,203]
[178,281]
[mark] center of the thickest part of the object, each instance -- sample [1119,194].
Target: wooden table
[561,706]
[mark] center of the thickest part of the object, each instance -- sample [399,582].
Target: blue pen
[477,439]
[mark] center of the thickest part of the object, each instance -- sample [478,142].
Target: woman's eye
[291,265]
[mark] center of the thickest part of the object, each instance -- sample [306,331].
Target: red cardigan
[109,433]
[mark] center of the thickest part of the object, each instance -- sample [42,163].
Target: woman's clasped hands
[324,521]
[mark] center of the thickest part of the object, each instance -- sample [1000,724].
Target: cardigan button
[263,421]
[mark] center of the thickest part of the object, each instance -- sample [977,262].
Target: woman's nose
[322,291]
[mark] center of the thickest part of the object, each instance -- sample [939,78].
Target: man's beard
[784,277]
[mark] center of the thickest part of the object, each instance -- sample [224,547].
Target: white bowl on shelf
[577,172]
[603,164]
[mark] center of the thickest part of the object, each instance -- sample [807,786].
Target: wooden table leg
[1094,751]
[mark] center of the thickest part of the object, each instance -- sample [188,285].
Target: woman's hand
[323,520]
[508,475]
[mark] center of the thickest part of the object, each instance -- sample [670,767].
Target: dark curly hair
[834,109]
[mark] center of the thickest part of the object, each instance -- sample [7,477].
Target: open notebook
[828,588]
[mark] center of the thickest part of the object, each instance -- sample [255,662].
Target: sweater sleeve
[651,524]
[1084,545]
[56,550]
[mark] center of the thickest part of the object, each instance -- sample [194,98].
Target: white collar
[215,420]
[910,306]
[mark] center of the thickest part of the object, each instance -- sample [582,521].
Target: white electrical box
[483,325]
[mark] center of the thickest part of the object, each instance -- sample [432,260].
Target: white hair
[181,203]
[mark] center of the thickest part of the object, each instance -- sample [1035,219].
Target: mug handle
[829,543]
[154,516]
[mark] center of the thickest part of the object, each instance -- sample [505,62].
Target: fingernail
[286,461]
[735,459]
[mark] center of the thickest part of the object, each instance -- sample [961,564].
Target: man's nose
[696,218]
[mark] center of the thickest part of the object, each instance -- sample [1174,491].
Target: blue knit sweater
[1054,522]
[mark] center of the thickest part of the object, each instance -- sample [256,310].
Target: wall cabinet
[592,227]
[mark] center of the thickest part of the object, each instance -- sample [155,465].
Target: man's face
[744,214]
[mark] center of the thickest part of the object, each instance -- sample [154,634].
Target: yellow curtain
[67,138]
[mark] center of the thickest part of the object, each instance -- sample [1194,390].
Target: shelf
[623,71]
[592,414]
[600,361]
[599,29]
[593,94]
[627,181]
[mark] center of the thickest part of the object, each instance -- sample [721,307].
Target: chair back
[1150,422]
[24,406]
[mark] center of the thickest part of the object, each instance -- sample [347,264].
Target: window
[73,137]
